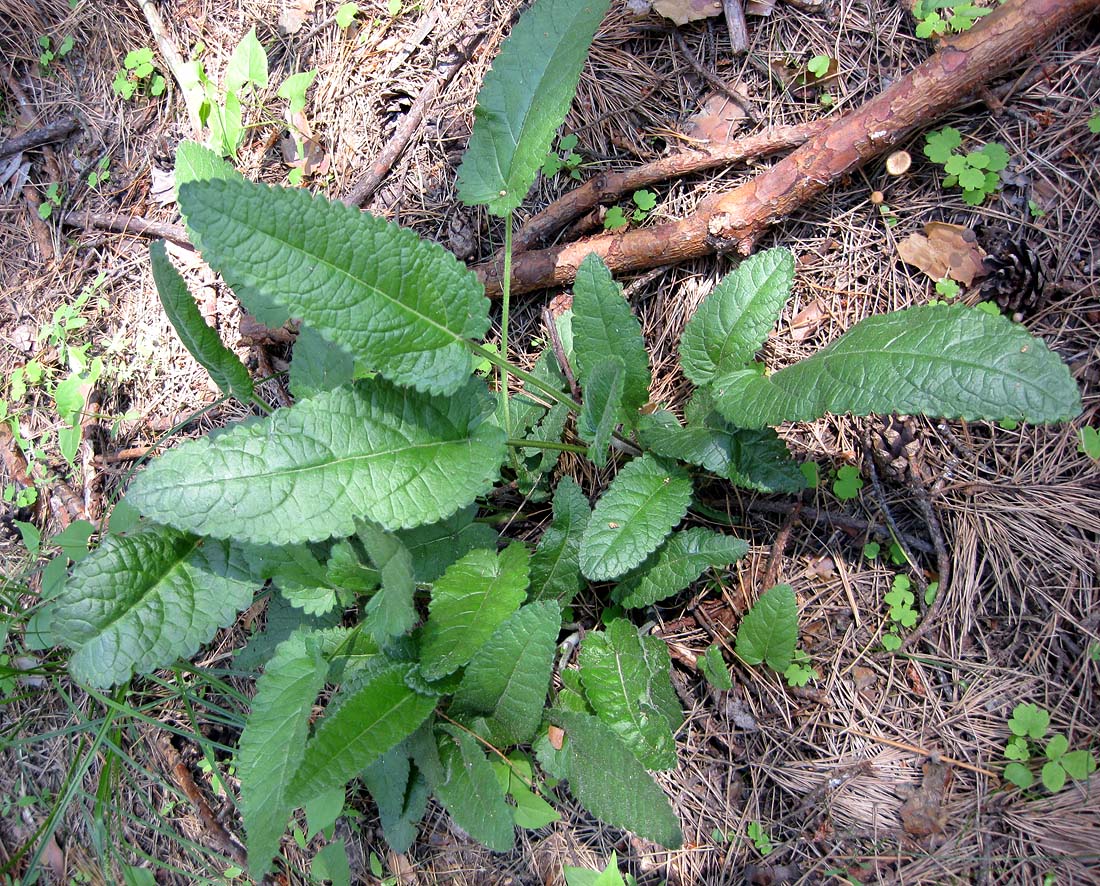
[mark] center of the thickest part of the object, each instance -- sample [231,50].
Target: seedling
[975,172]
[960,16]
[760,838]
[1029,725]
[101,174]
[847,483]
[644,201]
[138,76]
[565,159]
[1088,442]
[52,201]
[49,53]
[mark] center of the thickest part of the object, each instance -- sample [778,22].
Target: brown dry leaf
[945,250]
[923,813]
[684,11]
[294,14]
[715,122]
[807,321]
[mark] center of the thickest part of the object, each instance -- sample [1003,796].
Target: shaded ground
[825,771]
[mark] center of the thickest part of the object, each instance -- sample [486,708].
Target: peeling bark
[733,221]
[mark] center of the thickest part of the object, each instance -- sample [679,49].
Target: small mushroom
[898,163]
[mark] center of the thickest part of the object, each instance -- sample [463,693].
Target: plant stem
[526,377]
[505,300]
[548,444]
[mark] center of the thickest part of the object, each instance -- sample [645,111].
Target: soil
[885,768]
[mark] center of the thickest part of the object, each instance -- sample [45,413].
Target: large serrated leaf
[603,403]
[555,565]
[733,321]
[676,564]
[140,601]
[468,602]
[507,679]
[769,632]
[390,612]
[202,342]
[364,720]
[610,782]
[471,792]
[950,361]
[524,100]
[626,680]
[603,325]
[399,304]
[272,742]
[639,509]
[371,450]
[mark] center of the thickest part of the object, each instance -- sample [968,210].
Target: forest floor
[886,768]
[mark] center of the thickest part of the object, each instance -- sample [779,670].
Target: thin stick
[559,352]
[134,224]
[364,189]
[32,138]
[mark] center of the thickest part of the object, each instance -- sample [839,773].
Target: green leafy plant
[432,640]
[49,52]
[760,838]
[975,172]
[138,76]
[616,217]
[938,17]
[1029,725]
[564,159]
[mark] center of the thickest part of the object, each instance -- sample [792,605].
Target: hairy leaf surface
[604,325]
[524,100]
[142,600]
[626,680]
[555,565]
[677,564]
[610,782]
[272,743]
[468,603]
[603,403]
[371,450]
[733,321]
[639,509]
[390,612]
[950,361]
[202,342]
[471,793]
[401,794]
[364,720]
[399,304]
[507,679]
[769,632]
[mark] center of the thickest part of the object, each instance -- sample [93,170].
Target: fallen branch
[733,221]
[41,135]
[610,186]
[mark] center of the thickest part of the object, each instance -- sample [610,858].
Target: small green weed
[847,483]
[760,838]
[1029,725]
[50,53]
[937,17]
[644,202]
[564,159]
[137,76]
[1088,442]
[975,172]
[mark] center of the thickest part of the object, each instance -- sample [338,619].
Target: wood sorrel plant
[356,506]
